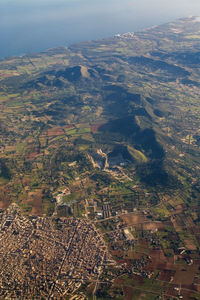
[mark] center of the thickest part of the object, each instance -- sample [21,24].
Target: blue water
[31,26]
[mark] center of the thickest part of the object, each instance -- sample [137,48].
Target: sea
[28,26]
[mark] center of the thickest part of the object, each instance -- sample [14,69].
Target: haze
[28,26]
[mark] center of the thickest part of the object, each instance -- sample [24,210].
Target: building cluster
[106,211]
[45,257]
[138,268]
[127,35]
[120,238]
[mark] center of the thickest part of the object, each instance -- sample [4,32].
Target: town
[46,258]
